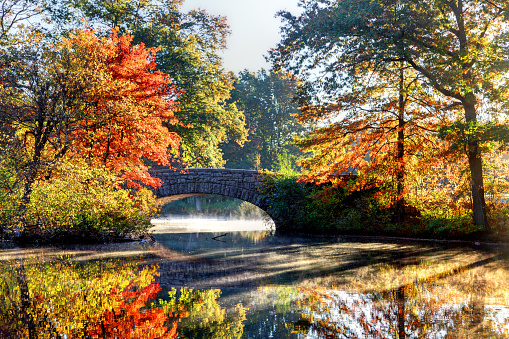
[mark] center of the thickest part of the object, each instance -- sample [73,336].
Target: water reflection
[187,284]
[402,313]
[105,299]
[62,298]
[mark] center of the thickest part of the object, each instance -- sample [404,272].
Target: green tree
[188,50]
[269,104]
[459,47]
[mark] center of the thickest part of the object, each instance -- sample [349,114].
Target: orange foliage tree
[458,47]
[373,131]
[125,124]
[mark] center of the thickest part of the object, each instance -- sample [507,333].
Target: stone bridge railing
[235,183]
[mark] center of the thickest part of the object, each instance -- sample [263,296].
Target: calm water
[233,279]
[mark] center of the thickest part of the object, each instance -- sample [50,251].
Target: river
[218,278]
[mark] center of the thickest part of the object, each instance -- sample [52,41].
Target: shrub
[303,207]
[86,202]
[307,208]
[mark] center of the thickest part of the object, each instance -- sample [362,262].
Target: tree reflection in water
[109,299]
[201,315]
[398,294]
[420,309]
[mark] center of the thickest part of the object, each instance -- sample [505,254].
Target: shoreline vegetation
[114,214]
[301,207]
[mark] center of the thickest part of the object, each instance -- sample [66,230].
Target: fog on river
[183,224]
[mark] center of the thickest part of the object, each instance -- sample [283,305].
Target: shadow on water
[201,282]
[256,258]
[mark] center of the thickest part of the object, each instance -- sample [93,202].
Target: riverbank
[473,238]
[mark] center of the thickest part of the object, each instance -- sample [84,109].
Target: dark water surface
[207,279]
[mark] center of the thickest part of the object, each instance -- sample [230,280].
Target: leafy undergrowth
[298,207]
[83,204]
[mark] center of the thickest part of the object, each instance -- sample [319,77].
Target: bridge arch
[235,183]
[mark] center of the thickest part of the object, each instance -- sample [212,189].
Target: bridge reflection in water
[255,285]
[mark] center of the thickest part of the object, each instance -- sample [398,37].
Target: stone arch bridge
[183,183]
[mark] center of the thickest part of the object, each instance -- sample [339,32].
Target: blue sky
[253,25]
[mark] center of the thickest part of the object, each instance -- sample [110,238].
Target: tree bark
[41,136]
[27,192]
[476,170]
[400,158]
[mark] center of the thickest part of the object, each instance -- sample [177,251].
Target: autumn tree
[42,98]
[90,97]
[125,124]
[372,131]
[459,48]
[188,49]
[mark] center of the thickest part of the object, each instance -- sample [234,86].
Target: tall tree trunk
[27,192]
[400,158]
[23,206]
[476,170]
[42,133]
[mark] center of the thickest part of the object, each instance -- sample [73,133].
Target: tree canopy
[125,124]
[268,101]
[88,97]
[188,46]
[459,48]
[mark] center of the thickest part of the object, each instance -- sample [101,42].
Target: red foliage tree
[125,124]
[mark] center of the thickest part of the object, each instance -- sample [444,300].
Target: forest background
[381,117]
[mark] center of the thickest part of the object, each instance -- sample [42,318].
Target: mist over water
[184,224]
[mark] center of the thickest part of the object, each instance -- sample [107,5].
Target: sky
[254,28]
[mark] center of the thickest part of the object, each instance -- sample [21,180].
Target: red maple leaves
[129,105]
